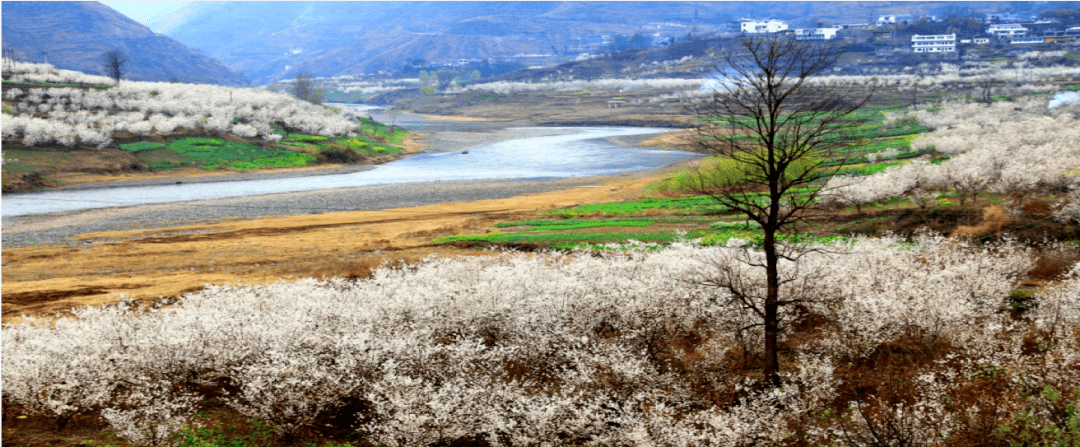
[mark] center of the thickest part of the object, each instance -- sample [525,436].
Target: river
[540,153]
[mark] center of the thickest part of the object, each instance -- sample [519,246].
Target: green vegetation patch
[359,144]
[575,224]
[566,224]
[374,139]
[684,205]
[141,146]
[284,161]
[869,169]
[294,137]
[214,154]
[389,134]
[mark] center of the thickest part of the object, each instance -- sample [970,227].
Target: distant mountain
[75,35]
[271,41]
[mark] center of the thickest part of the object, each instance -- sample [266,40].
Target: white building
[751,26]
[1027,40]
[815,33]
[933,43]
[1006,30]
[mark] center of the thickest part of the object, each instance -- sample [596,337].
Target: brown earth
[151,263]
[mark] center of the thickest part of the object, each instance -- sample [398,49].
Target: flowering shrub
[621,348]
[1011,148]
[965,77]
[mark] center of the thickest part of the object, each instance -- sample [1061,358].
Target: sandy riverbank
[170,258]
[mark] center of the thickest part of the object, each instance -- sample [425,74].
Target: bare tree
[114,62]
[304,87]
[986,85]
[773,130]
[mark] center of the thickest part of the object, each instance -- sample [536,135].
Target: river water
[544,153]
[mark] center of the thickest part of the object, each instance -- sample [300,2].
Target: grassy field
[214,154]
[294,150]
[879,146]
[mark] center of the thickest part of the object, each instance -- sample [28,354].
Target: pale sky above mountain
[147,13]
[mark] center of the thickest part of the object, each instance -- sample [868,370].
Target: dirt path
[148,263]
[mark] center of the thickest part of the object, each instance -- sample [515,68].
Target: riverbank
[58,261]
[83,173]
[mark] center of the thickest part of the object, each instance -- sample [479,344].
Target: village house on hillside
[815,33]
[934,43]
[751,26]
[1006,30]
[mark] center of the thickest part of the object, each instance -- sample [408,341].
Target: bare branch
[773,130]
[114,63]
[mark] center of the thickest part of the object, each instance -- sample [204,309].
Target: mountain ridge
[75,35]
[272,41]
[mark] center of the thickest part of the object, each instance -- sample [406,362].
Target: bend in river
[547,153]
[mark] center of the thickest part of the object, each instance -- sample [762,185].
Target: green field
[214,154]
[373,139]
[683,205]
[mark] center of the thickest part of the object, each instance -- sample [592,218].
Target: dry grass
[994,220]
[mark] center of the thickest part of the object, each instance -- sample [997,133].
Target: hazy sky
[146,12]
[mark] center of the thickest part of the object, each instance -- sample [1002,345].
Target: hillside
[270,41]
[60,123]
[74,35]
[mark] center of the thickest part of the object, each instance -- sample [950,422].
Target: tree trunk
[771,369]
[772,324]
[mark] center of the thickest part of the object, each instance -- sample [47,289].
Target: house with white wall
[1006,30]
[815,33]
[933,43]
[751,26]
[1027,40]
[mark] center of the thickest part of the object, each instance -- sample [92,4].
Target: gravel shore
[56,228]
